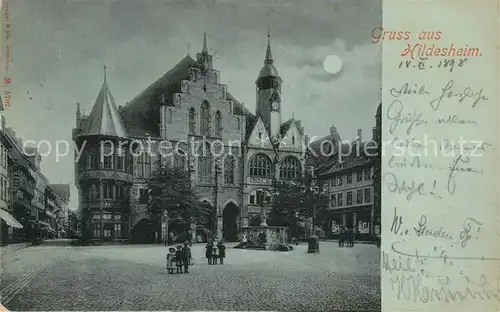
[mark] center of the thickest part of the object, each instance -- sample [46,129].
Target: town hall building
[242,152]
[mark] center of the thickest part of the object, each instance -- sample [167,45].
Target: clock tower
[269,93]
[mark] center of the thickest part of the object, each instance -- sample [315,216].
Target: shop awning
[9,219]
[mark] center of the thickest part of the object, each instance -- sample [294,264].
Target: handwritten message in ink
[440,222]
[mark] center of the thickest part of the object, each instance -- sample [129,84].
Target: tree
[170,189]
[288,200]
[296,198]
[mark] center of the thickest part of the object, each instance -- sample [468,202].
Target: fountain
[264,237]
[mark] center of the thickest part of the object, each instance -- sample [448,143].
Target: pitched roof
[286,126]
[349,158]
[104,118]
[61,190]
[142,114]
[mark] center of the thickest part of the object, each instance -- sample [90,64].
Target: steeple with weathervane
[269,92]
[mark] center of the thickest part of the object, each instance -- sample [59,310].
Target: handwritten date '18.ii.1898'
[426,63]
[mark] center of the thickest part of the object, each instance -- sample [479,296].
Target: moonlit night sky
[59,49]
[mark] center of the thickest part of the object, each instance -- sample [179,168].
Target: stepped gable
[142,114]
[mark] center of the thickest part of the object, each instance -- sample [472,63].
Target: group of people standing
[215,250]
[179,259]
[346,237]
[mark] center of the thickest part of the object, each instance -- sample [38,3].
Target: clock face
[275,105]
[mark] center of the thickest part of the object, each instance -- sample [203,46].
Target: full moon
[332,64]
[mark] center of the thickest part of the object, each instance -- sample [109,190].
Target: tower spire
[205,49]
[269,55]
[104,73]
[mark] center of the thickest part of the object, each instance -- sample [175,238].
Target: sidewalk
[13,248]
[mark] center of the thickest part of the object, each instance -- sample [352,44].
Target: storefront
[8,223]
[358,218]
[108,226]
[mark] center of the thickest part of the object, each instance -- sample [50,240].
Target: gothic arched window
[290,168]
[192,121]
[218,124]
[205,161]
[205,119]
[261,166]
[229,166]
[179,159]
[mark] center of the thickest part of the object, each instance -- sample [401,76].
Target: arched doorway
[143,232]
[230,222]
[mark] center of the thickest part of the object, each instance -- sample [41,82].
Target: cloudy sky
[59,48]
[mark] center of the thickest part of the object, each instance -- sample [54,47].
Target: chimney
[333,130]
[78,115]
[358,143]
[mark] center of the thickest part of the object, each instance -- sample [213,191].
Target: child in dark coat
[208,251]
[222,252]
[179,257]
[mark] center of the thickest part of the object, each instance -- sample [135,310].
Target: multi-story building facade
[47,216]
[61,220]
[22,180]
[8,222]
[232,155]
[346,175]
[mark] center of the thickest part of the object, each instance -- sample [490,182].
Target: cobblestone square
[134,278]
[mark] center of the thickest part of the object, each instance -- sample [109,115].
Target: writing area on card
[440,221]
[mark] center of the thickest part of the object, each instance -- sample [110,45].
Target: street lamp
[218,168]
[297,238]
[313,246]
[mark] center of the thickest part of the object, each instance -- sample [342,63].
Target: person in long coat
[351,234]
[208,251]
[341,237]
[187,256]
[222,252]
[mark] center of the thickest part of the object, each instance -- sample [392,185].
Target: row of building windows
[206,121]
[262,166]
[106,216]
[361,175]
[110,191]
[4,189]
[91,161]
[336,200]
[113,230]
